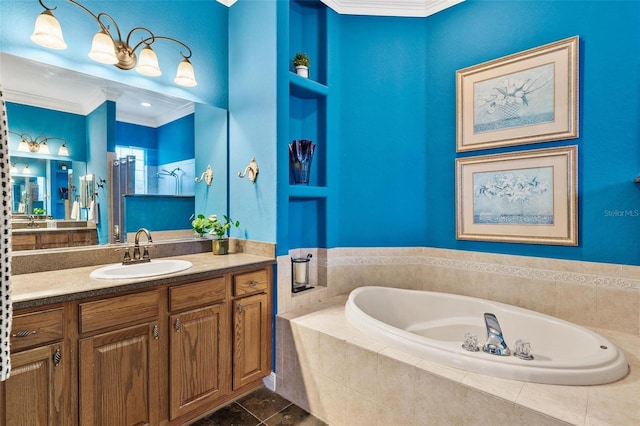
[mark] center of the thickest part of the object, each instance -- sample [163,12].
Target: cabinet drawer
[84,238]
[250,282]
[54,239]
[132,308]
[23,241]
[36,328]
[197,294]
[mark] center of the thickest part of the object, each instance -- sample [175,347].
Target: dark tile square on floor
[262,407]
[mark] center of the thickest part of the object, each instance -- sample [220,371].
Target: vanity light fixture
[25,169]
[39,144]
[114,51]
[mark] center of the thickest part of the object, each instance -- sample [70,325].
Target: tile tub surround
[596,295]
[329,368]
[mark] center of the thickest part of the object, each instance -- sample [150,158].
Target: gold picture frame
[527,97]
[521,197]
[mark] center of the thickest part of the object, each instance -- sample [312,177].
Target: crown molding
[157,121]
[89,103]
[405,8]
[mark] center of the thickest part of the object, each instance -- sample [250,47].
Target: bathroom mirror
[31,84]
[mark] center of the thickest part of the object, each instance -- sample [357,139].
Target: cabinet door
[251,340]
[33,395]
[119,377]
[199,363]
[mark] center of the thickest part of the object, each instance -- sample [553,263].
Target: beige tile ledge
[580,273]
[611,404]
[40,288]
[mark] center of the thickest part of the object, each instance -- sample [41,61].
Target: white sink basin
[140,270]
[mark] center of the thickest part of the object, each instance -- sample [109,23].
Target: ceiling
[416,8]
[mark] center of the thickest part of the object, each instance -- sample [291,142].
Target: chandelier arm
[177,42]
[45,7]
[97,17]
[143,41]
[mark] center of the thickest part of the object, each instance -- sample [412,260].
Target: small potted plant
[301,63]
[201,224]
[220,244]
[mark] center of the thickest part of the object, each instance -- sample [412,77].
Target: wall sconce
[300,273]
[25,169]
[207,176]
[108,50]
[252,170]
[39,144]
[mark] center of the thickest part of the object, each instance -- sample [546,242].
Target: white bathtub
[432,326]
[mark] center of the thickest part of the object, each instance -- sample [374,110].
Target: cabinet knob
[23,333]
[156,332]
[57,357]
[177,325]
[253,283]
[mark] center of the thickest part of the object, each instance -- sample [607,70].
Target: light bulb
[102,49]
[63,150]
[185,76]
[47,32]
[43,148]
[148,63]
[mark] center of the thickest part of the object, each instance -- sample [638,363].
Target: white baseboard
[270,381]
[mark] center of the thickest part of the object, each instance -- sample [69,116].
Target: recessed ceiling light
[145,104]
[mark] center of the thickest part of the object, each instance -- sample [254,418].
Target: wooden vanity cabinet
[34,394]
[161,355]
[119,360]
[251,327]
[199,360]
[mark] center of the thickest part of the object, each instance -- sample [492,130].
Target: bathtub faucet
[495,343]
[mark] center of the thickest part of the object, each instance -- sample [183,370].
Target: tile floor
[262,407]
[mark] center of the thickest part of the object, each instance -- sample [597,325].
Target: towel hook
[207,175]
[252,169]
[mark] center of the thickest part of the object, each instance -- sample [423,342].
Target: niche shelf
[304,115]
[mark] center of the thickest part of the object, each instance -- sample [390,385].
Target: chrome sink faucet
[495,343]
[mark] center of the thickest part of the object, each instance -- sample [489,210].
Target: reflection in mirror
[87,190]
[165,133]
[45,185]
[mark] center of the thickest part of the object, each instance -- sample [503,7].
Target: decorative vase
[220,246]
[302,71]
[300,155]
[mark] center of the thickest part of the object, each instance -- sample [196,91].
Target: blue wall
[164,144]
[168,212]
[50,123]
[252,117]
[175,140]
[397,116]
[101,133]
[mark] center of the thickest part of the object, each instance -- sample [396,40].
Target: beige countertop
[41,288]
